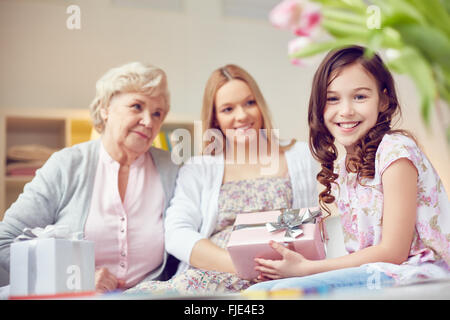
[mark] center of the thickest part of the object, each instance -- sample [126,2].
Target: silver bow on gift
[290,220]
[31,235]
[50,231]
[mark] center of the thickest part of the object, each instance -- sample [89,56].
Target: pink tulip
[296,44]
[299,16]
[308,23]
[297,62]
[286,14]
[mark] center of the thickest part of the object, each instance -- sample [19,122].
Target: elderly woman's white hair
[132,77]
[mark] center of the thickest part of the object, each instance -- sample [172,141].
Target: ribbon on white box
[50,231]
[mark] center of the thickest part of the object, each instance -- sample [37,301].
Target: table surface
[427,290]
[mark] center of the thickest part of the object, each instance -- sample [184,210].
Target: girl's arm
[399,183]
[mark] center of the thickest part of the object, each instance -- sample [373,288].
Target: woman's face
[237,112]
[353,104]
[133,120]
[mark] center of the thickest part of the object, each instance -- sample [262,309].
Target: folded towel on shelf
[23,168]
[29,152]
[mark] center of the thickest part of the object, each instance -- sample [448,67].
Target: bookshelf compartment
[47,132]
[52,128]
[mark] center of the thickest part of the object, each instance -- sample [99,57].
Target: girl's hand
[292,264]
[105,281]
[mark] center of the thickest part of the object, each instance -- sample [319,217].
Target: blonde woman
[115,189]
[236,174]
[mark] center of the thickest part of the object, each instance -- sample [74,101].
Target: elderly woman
[115,189]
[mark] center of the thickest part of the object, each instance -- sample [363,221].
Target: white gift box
[48,266]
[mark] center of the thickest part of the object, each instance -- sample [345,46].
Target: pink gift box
[252,242]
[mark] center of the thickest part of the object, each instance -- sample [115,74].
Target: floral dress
[361,211]
[261,194]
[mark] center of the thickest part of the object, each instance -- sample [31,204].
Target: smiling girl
[390,232]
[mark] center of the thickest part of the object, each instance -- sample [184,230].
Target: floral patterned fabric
[361,210]
[235,197]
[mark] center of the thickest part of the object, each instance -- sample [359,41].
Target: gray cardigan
[60,193]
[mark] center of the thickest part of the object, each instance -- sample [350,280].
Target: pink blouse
[361,210]
[128,236]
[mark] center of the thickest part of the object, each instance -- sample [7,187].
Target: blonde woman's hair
[133,77]
[217,79]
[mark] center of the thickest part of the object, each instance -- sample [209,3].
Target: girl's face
[237,113]
[133,120]
[353,104]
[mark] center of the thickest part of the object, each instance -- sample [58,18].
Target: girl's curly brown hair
[321,142]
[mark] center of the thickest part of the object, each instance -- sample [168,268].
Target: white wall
[44,64]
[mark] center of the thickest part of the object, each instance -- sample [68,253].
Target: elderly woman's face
[133,120]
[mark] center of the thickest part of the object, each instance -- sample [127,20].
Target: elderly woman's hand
[105,281]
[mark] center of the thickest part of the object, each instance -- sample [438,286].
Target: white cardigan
[193,210]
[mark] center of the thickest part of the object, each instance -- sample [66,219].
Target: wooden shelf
[54,128]
[17,180]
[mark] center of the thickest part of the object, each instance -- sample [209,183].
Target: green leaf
[342,29]
[412,63]
[391,38]
[374,44]
[435,12]
[345,16]
[446,5]
[319,47]
[442,77]
[448,134]
[434,44]
[354,5]
[399,11]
